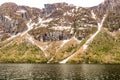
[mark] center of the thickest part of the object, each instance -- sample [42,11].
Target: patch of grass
[22,52]
[105,48]
[103,43]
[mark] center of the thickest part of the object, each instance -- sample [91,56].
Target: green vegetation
[21,52]
[105,48]
[102,43]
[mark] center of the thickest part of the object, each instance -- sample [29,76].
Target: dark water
[59,72]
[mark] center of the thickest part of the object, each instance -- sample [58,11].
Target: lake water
[59,72]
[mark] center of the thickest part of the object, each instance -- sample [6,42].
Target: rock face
[112,7]
[62,21]
[53,36]
[13,18]
[49,8]
[107,6]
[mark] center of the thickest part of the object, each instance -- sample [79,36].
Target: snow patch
[65,60]
[83,19]
[66,41]
[78,41]
[21,11]
[88,41]
[63,43]
[93,36]
[31,39]
[50,60]
[8,18]
[44,21]
[29,26]
[13,36]
[46,47]
[61,28]
[72,31]
[81,28]
[67,13]
[93,15]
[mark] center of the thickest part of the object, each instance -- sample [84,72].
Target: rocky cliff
[60,33]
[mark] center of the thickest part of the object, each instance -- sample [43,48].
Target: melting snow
[50,60]
[46,47]
[29,26]
[88,41]
[21,11]
[78,41]
[45,21]
[67,13]
[93,15]
[13,36]
[8,18]
[65,60]
[83,19]
[72,31]
[93,36]
[61,28]
[64,42]
[31,39]
[81,28]
[42,22]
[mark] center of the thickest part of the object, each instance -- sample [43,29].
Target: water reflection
[59,72]
[92,72]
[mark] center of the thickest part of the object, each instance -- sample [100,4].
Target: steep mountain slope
[106,7]
[104,48]
[59,33]
[21,52]
[13,18]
